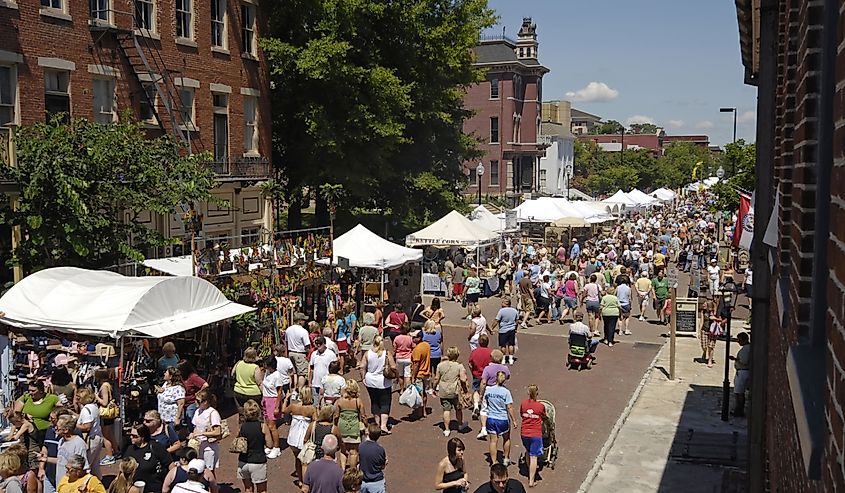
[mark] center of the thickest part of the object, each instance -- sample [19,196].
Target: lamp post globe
[720,173]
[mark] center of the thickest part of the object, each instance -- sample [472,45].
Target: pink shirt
[403,344]
[592,290]
[571,290]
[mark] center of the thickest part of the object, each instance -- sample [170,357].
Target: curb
[617,427]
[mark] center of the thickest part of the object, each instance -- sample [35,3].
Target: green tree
[614,178]
[679,159]
[84,187]
[643,128]
[609,127]
[741,158]
[369,95]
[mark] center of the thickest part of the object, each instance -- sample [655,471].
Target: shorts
[625,309]
[533,445]
[570,302]
[450,404]
[527,303]
[254,473]
[343,346]
[507,338]
[458,288]
[593,307]
[659,303]
[403,366]
[476,384]
[300,363]
[473,297]
[270,408]
[498,427]
[743,378]
[210,454]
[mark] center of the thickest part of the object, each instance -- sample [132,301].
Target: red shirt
[479,359]
[193,385]
[532,413]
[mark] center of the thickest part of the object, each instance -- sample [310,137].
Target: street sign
[673,275]
[686,315]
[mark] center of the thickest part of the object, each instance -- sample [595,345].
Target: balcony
[241,168]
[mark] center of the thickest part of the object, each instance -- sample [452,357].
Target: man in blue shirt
[575,252]
[518,275]
[534,272]
[506,321]
[372,460]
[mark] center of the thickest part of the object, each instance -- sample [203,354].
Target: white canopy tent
[486,219]
[106,304]
[591,211]
[664,194]
[621,200]
[368,250]
[642,199]
[453,229]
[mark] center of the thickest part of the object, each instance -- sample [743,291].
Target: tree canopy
[85,186]
[369,95]
[609,127]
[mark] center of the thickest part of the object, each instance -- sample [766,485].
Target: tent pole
[381,287]
[120,379]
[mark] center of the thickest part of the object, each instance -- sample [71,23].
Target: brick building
[187,67]
[614,142]
[699,140]
[506,118]
[793,52]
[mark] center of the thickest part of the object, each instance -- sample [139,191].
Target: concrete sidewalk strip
[671,437]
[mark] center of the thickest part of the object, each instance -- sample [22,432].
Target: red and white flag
[744,230]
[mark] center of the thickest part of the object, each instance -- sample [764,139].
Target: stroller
[549,439]
[579,356]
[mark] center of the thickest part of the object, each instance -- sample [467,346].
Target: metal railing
[241,167]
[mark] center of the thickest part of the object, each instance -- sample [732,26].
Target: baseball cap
[299,316]
[197,465]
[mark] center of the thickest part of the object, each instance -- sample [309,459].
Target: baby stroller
[579,356]
[549,439]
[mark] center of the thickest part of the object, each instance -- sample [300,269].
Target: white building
[556,166]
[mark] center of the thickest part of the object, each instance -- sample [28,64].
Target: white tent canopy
[486,219]
[366,249]
[540,211]
[641,197]
[453,229]
[664,194]
[622,198]
[106,304]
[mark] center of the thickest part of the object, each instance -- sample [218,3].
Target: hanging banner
[744,232]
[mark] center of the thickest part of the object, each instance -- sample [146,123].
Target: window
[250,124]
[248,31]
[494,173]
[104,100]
[184,19]
[218,23]
[52,4]
[56,93]
[220,104]
[542,178]
[7,94]
[100,10]
[494,130]
[148,101]
[145,15]
[186,97]
[494,89]
[249,236]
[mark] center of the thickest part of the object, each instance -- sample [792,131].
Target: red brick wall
[799,62]
[27,32]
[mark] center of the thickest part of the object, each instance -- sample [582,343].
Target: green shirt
[40,413]
[610,305]
[661,288]
[473,285]
[608,277]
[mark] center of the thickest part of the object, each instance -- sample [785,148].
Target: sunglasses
[134,435]
[147,420]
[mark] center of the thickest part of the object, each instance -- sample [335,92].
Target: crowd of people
[310,388]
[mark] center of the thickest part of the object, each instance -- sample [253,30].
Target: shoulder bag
[389,370]
[309,449]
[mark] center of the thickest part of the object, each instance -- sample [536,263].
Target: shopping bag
[411,397]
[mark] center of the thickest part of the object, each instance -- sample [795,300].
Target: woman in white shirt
[378,386]
[272,396]
[477,326]
[89,424]
[208,429]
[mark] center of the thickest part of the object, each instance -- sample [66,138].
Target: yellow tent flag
[695,169]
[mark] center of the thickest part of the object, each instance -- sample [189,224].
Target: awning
[366,249]
[453,229]
[106,304]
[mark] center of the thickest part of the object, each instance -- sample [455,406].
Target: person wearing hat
[196,470]
[297,342]
[421,367]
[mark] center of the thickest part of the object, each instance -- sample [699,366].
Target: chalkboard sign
[686,316]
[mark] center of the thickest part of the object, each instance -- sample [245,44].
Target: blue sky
[671,62]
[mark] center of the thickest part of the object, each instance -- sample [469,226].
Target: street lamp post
[731,110]
[727,305]
[720,173]
[479,172]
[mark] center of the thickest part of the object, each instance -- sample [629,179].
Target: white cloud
[639,119]
[676,123]
[704,124]
[595,92]
[747,117]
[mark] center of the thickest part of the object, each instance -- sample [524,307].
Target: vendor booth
[87,317]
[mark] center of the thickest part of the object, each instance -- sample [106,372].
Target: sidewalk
[672,437]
